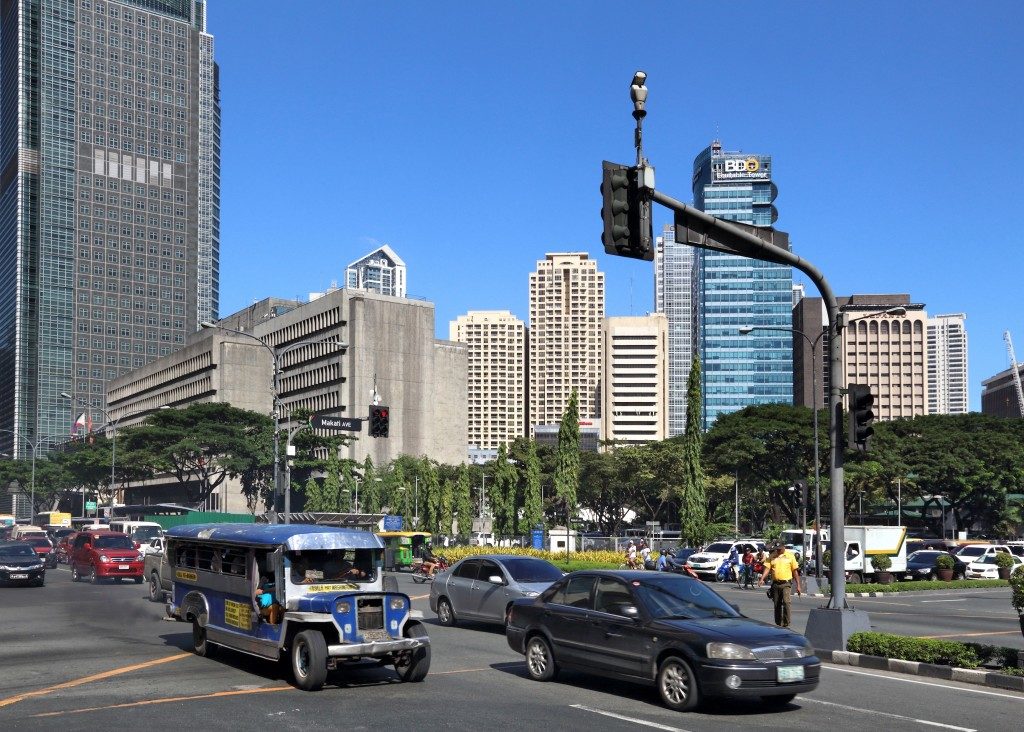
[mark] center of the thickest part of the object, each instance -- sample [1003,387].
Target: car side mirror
[626,610]
[496,579]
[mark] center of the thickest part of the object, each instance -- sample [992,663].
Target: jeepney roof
[292,537]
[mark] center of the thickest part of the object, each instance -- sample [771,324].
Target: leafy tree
[567,469]
[331,486]
[603,491]
[464,502]
[430,496]
[503,495]
[693,515]
[533,508]
[370,489]
[446,508]
[315,498]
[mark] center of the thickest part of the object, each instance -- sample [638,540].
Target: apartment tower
[109,200]
[496,376]
[566,320]
[381,271]
[635,379]
[947,364]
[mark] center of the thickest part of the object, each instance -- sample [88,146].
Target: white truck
[865,542]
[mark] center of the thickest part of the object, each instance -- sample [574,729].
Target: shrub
[882,562]
[1004,560]
[925,650]
[919,585]
[944,561]
[1017,583]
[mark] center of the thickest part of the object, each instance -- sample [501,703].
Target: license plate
[19,576]
[123,566]
[789,674]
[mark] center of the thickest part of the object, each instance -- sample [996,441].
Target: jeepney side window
[309,567]
[232,561]
[186,555]
[204,558]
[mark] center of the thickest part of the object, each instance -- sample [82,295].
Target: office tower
[734,292]
[947,364]
[810,353]
[634,381]
[496,376]
[673,297]
[381,271]
[566,318]
[109,206]
[886,351]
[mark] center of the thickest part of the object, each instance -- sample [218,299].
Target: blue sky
[469,136]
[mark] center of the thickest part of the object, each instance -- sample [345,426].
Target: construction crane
[1016,372]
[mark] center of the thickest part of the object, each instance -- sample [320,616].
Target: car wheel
[93,578]
[309,660]
[540,662]
[40,582]
[445,614]
[155,593]
[413,665]
[677,685]
[777,702]
[75,576]
[200,645]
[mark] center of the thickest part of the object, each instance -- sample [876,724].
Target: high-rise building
[735,292]
[947,364]
[496,376]
[109,203]
[999,394]
[381,271]
[634,381]
[566,318]
[674,298]
[810,353]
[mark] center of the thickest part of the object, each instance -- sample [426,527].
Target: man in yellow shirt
[785,575]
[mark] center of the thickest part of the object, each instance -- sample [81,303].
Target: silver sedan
[482,587]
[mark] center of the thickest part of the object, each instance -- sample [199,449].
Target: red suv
[97,555]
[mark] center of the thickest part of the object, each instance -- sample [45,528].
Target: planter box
[945,575]
[883,578]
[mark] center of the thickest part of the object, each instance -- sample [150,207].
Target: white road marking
[862,710]
[631,720]
[924,683]
[962,600]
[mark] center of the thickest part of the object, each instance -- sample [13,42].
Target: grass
[927,585]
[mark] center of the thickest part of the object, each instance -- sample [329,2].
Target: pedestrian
[645,552]
[785,576]
[631,555]
[662,565]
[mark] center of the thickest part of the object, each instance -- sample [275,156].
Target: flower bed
[576,560]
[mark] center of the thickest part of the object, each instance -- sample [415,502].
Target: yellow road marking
[419,597]
[238,692]
[459,671]
[973,635]
[87,679]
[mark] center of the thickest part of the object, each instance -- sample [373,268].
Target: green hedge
[931,650]
[927,585]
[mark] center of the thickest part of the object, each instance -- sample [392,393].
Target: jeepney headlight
[344,607]
[104,558]
[397,603]
[730,652]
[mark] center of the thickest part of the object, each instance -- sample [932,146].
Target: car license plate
[19,576]
[123,566]
[789,674]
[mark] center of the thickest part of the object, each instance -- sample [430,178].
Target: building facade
[810,353]
[496,348]
[735,292]
[947,364]
[674,298]
[635,379]
[109,203]
[566,353]
[999,394]
[381,271]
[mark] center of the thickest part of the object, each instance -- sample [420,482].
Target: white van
[707,561]
[139,531]
[21,532]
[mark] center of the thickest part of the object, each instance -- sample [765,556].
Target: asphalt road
[75,656]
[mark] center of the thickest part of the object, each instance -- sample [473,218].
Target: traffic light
[799,493]
[626,212]
[379,417]
[861,416]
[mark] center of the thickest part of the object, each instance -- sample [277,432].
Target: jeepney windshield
[310,567]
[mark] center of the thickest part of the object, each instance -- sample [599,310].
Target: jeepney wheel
[155,595]
[200,645]
[413,665]
[309,660]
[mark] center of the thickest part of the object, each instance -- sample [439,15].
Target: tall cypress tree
[533,507]
[567,459]
[692,499]
[503,495]
[464,502]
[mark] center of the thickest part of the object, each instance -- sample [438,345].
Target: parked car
[483,587]
[985,568]
[921,564]
[20,563]
[156,569]
[43,547]
[965,555]
[98,555]
[707,561]
[659,628]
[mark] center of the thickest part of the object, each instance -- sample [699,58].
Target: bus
[315,595]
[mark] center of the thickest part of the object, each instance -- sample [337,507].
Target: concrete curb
[931,670]
[915,593]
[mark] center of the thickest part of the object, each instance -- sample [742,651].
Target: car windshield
[143,534]
[971,551]
[671,596]
[922,556]
[719,547]
[113,542]
[38,541]
[526,570]
[310,567]
[16,551]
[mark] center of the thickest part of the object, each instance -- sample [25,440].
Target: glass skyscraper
[109,199]
[733,292]
[674,297]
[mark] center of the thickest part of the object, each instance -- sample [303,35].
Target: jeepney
[312,594]
[406,547]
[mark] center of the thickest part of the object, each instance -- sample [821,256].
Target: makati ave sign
[325,422]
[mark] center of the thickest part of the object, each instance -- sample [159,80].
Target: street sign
[325,422]
[393,523]
[90,505]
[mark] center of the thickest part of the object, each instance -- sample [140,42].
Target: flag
[78,424]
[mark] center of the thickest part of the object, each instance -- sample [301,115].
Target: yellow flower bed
[455,553]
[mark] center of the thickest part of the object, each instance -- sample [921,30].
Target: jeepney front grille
[370,614]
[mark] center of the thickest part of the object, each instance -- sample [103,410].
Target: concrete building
[674,298]
[947,364]
[109,203]
[810,353]
[635,379]
[999,394]
[380,271]
[566,319]
[546,435]
[741,369]
[496,344]
[390,348]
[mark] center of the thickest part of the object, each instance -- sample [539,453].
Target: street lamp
[33,445]
[275,386]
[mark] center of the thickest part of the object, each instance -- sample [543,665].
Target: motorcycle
[729,570]
[421,575]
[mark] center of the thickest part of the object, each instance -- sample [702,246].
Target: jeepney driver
[337,567]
